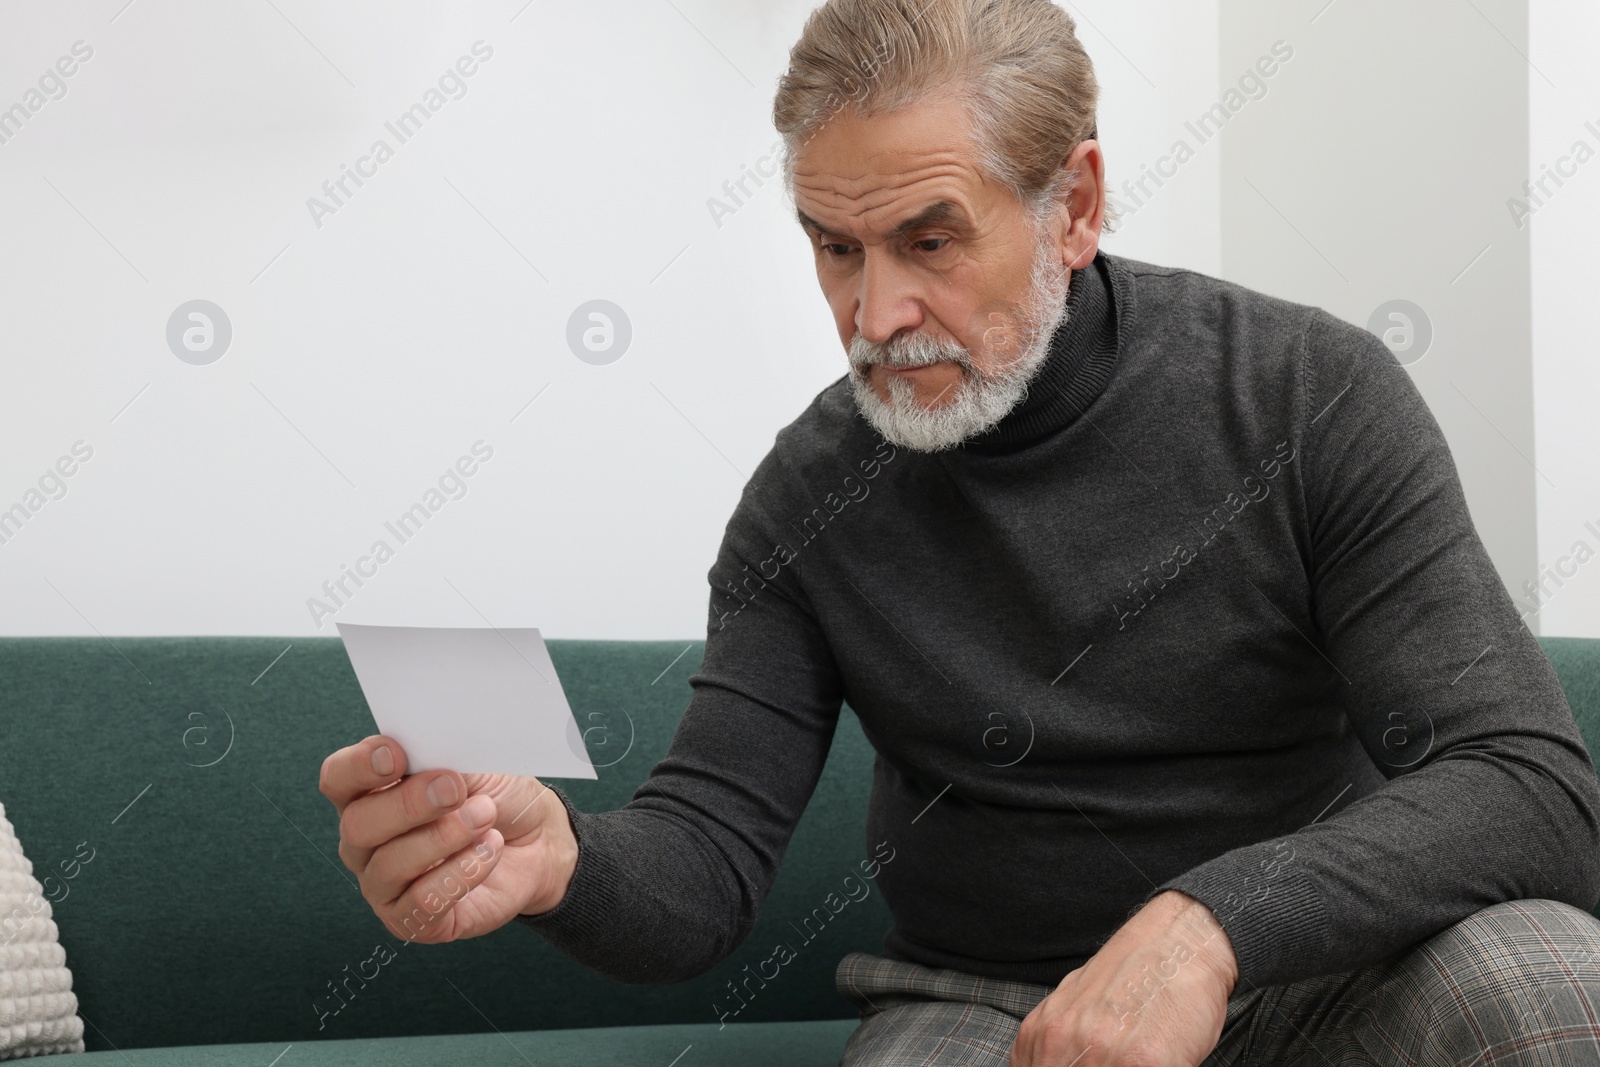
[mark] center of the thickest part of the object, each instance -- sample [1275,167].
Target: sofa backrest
[212,906]
[166,791]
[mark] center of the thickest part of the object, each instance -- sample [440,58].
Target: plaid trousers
[1515,983]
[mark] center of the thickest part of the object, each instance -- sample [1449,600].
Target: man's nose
[887,302]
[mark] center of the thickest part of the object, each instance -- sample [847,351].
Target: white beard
[980,400]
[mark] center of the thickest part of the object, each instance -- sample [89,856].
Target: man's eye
[931,244]
[836,249]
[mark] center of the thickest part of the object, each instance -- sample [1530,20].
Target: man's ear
[1079,224]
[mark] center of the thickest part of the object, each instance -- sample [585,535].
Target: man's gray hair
[1028,84]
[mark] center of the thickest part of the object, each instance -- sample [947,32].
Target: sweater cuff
[1268,906]
[584,914]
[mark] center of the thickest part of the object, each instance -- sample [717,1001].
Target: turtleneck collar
[1083,351]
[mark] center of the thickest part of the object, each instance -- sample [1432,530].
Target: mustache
[914,350]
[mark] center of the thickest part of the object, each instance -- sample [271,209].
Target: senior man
[1206,730]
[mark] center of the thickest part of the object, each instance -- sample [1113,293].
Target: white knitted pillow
[38,1010]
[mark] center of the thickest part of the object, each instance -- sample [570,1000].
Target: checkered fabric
[1515,983]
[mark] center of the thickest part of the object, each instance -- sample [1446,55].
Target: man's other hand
[1155,995]
[443,856]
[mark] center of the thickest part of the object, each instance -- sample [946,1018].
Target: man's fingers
[422,913]
[371,820]
[371,763]
[395,865]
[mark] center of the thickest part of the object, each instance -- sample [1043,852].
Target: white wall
[1564,225]
[370,352]
[1157,67]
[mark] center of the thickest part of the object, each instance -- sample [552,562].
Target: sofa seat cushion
[781,1044]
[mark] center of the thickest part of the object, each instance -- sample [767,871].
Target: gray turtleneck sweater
[1205,612]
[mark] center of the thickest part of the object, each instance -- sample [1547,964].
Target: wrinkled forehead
[875,207]
[864,178]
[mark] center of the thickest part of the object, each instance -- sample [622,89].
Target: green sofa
[214,919]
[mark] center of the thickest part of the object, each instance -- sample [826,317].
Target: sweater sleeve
[1490,792]
[670,884]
